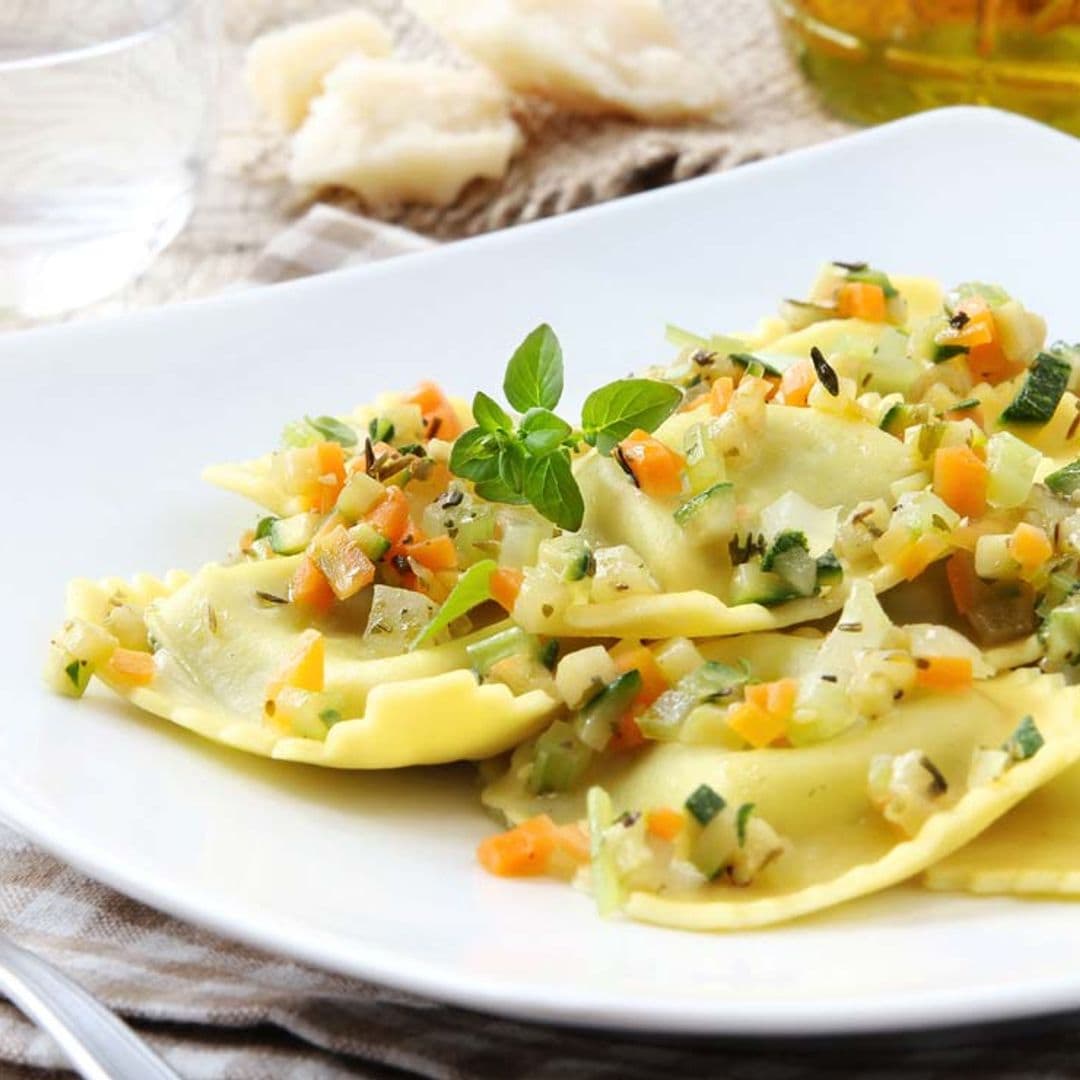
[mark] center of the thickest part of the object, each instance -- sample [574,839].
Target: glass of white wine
[105,122]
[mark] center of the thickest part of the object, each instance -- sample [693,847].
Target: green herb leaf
[299,433]
[742,819]
[551,488]
[475,455]
[534,376]
[512,460]
[1066,480]
[613,411]
[489,414]
[542,431]
[332,430]
[494,490]
[1025,742]
[262,530]
[472,589]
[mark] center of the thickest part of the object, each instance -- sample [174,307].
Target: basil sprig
[529,461]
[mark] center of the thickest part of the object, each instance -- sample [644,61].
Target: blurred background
[141,160]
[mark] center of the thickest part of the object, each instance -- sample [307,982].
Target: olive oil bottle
[878,59]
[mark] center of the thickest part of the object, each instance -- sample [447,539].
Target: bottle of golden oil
[877,59]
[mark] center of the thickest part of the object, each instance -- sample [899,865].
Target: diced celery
[567,555]
[705,466]
[560,760]
[710,682]
[620,572]
[486,653]
[1061,636]
[521,539]
[789,556]
[1012,464]
[677,657]
[607,890]
[397,616]
[993,559]
[359,494]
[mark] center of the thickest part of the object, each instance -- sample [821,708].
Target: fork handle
[99,1045]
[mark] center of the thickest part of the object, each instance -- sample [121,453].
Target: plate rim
[594,1009]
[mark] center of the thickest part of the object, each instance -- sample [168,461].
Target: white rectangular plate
[106,427]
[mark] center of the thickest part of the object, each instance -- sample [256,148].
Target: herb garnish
[530,461]
[332,430]
[826,373]
[471,590]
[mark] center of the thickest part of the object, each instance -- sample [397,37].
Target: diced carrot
[777,698]
[797,382]
[310,588]
[657,469]
[757,726]
[247,538]
[633,656]
[969,412]
[960,572]
[435,554]
[989,364]
[919,554]
[960,479]
[1030,547]
[573,841]
[131,667]
[986,360]
[522,852]
[505,586]
[861,300]
[304,667]
[342,561]
[943,672]
[720,394]
[440,418]
[627,735]
[664,823]
[331,464]
[390,517]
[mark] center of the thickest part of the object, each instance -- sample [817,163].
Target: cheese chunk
[593,56]
[285,68]
[394,131]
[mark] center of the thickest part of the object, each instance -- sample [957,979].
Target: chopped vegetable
[1065,481]
[436,553]
[472,589]
[560,760]
[1030,547]
[704,804]
[960,479]
[1042,390]
[310,588]
[505,586]
[521,852]
[664,823]
[630,656]
[342,562]
[129,667]
[390,517]
[1025,742]
[756,725]
[720,394]
[861,300]
[598,718]
[440,417]
[943,672]
[797,382]
[333,430]
[656,468]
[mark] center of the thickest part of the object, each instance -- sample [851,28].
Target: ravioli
[1033,850]
[798,453]
[839,848]
[218,646]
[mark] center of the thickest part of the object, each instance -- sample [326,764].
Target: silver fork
[99,1045]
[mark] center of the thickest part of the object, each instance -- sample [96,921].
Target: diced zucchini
[1066,480]
[799,314]
[291,535]
[684,339]
[823,710]
[789,556]
[560,761]
[521,539]
[371,542]
[583,673]
[892,369]
[869,276]
[710,516]
[568,556]
[752,585]
[620,572]
[1042,390]
[829,570]
[707,683]
[598,718]
[77,651]
[1025,741]
[713,850]
[360,494]
[513,641]
[1060,633]
[705,466]
[770,363]
[947,351]
[901,416]
[396,618]
[1012,464]
[704,804]
[791,512]
[993,295]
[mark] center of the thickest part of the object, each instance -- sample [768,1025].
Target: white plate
[107,425]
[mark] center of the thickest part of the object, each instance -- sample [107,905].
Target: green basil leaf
[512,466]
[542,431]
[534,376]
[494,490]
[472,588]
[475,455]
[613,411]
[551,488]
[299,433]
[333,430]
[489,414]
